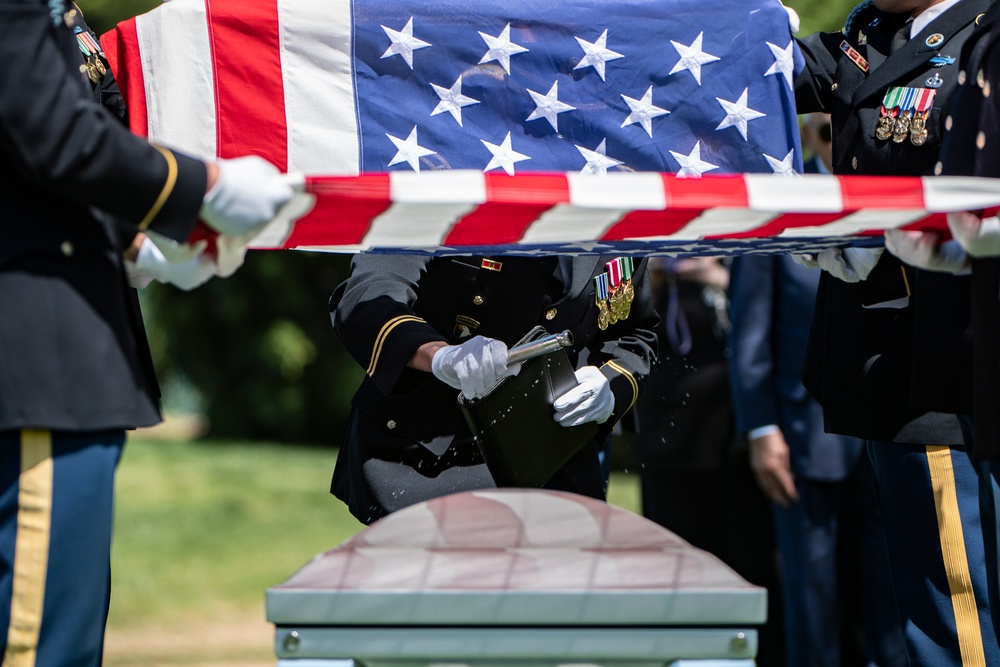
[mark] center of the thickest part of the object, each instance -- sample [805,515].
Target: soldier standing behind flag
[887,356]
[74,372]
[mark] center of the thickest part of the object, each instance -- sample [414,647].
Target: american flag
[499,88]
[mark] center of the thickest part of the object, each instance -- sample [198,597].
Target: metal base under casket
[508,578]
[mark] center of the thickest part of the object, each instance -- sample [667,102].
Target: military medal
[613,270]
[921,110]
[888,113]
[92,53]
[601,292]
[629,290]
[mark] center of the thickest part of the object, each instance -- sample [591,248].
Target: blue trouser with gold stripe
[56,510]
[929,497]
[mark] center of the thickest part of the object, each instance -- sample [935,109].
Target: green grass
[203,528]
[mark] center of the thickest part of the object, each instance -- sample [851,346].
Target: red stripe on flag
[513,203]
[706,192]
[527,188]
[121,48]
[249,90]
[933,222]
[859,192]
[639,224]
[783,222]
[344,210]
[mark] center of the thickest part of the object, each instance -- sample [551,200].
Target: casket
[515,577]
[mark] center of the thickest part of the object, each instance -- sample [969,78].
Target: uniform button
[961,77]
[980,79]
[834,87]
[66,248]
[938,168]
[981,140]
[947,123]
[478,300]
[550,314]
[391,424]
[987,89]
[854,163]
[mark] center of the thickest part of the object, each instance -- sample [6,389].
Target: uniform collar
[926,17]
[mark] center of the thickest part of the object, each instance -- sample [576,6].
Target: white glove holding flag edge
[924,250]
[474,367]
[590,401]
[979,237]
[246,195]
[807,260]
[793,18]
[851,265]
[151,263]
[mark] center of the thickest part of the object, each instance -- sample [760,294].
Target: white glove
[980,238]
[806,260]
[589,401]
[151,264]
[246,196]
[924,250]
[849,264]
[793,19]
[475,366]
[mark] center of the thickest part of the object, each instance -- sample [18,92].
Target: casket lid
[515,557]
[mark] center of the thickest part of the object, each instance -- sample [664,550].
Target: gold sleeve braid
[383,334]
[168,188]
[632,381]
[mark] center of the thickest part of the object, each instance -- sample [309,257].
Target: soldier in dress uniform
[970,149]
[888,355]
[425,328]
[74,372]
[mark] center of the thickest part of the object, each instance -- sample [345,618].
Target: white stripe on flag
[461,186]
[318,82]
[718,221]
[956,193]
[859,221]
[637,191]
[177,69]
[415,225]
[565,224]
[810,193]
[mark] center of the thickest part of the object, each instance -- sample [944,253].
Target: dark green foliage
[259,347]
[103,15]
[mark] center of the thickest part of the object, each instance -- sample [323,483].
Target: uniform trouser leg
[929,498]
[56,498]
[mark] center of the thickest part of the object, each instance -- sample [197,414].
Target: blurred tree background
[255,353]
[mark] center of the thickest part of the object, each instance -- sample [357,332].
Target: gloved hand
[924,250]
[246,196]
[849,264]
[793,19]
[807,260]
[151,264]
[589,401]
[475,366]
[980,238]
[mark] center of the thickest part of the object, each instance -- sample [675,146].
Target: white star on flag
[643,111]
[692,166]
[598,161]
[692,58]
[452,100]
[504,156]
[403,43]
[596,54]
[783,167]
[408,150]
[501,48]
[784,61]
[738,114]
[548,106]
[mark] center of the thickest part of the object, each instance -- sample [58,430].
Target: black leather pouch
[513,424]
